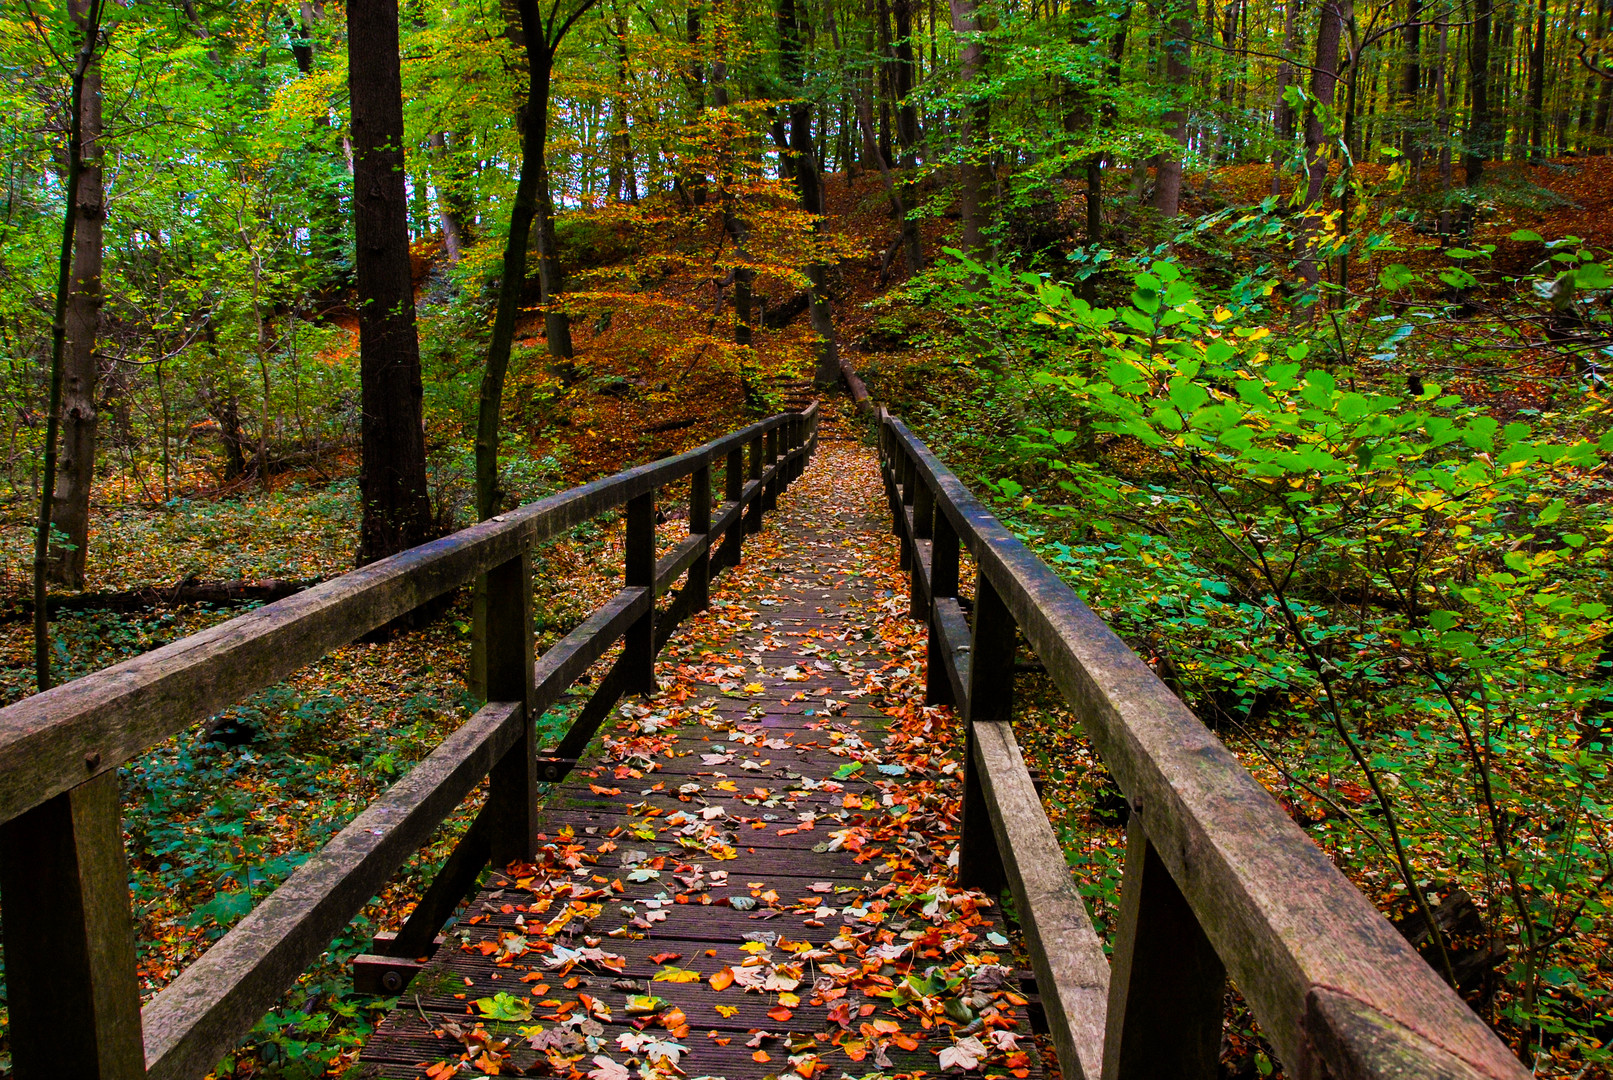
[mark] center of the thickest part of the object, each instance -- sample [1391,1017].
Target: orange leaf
[722,980]
[779,1013]
[761,1055]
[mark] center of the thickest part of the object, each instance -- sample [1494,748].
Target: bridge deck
[762,849]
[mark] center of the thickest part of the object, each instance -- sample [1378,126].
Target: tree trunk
[448,178]
[1537,85]
[809,183]
[89,30]
[70,508]
[1411,80]
[1324,84]
[624,174]
[1479,136]
[392,476]
[1168,178]
[974,177]
[1283,121]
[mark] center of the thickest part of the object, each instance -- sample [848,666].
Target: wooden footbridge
[766,863]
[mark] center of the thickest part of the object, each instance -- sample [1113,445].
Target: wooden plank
[216,1000]
[69,939]
[1285,921]
[675,562]
[1167,987]
[949,652]
[575,653]
[1066,953]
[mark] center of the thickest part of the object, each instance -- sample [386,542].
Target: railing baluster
[770,492]
[734,485]
[69,938]
[700,524]
[638,646]
[919,602]
[512,792]
[1166,986]
[943,585]
[902,498]
[753,514]
[991,700]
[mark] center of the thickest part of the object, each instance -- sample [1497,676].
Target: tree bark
[1411,79]
[973,176]
[1168,178]
[453,215]
[70,508]
[89,31]
[1324,86]
[808,183]
[1283,121]
[1477,150]
[392,475]
[1537,85]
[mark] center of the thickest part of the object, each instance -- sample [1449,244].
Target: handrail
[68,932]
[1219,881]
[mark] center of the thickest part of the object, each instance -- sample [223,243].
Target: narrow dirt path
[749,878]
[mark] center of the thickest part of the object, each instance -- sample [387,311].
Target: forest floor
[213,825]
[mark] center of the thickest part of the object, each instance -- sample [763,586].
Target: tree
[1168,180]
[807,171]
[540,36]
[392,481]
[70,510]
[973,176]
[87,22]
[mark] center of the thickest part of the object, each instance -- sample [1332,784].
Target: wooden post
[770,491]
[943,583]
[902,499]
[1166,985]
[993,640]
[753,513]
[918,605]
[512,793]
[700,525]
[69,938]
[734,482]
[638,646]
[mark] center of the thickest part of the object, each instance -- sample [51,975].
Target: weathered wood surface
[767,693]
[1301,943]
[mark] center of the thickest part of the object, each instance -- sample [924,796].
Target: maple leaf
[964,1054]
[607,1068]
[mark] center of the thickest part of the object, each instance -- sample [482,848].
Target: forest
[1280,331]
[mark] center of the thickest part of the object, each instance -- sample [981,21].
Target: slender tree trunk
[809,183]
[974,176]
[90,31]
[70,509]
[624,173]
[1324,85]
[453,214]
[1537,85]
[1411,79]
[1480,137]
[1283,121]
[1178,73]
[1443,120]
[907,117]
[392,477]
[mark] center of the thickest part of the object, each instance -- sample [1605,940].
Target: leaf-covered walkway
[749,877]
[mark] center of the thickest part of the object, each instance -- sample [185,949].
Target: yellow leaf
[726,1011]
[676,975]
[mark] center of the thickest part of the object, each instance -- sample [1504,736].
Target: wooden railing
[68,934]
[1219,882]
